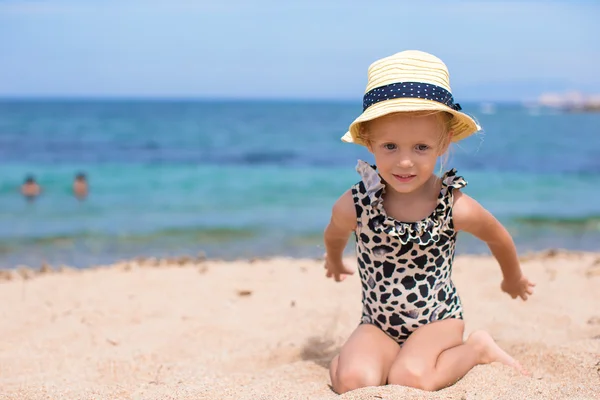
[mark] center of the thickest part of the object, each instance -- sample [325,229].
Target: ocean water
[239,179]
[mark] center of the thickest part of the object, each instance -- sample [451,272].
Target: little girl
[405,220]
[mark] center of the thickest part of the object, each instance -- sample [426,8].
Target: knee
[354,376]
[411,373]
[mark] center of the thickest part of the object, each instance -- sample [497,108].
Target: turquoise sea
[258,178]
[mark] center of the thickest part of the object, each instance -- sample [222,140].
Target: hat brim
[462,125]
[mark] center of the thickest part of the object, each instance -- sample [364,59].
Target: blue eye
[389,146]
[422,147]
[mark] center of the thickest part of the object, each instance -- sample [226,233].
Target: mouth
[404,178]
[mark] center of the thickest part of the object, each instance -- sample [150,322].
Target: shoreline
[87,252]
[21,271]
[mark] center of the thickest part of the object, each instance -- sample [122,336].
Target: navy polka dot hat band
[410,89]
[410,81]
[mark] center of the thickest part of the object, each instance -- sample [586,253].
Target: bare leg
[365,360]
[435,357]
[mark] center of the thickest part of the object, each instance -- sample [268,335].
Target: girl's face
[406,148]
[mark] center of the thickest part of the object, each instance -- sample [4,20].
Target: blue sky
[495,50]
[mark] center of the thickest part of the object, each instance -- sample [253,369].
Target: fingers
[338,277]
[524,296]
[529,290]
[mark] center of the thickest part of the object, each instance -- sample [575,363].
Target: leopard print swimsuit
[405,267]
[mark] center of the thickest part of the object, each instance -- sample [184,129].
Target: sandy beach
[267,329]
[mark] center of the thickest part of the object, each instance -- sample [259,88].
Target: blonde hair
[443,118]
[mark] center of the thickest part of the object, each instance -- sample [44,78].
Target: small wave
[268,157]
[590,222]
[260,158]
[191,234]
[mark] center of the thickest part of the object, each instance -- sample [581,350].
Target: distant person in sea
[30,189]
[80,186]
[405,220]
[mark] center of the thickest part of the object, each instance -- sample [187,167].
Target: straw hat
[411,80]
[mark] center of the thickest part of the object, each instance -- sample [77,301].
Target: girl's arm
[470,216]
[341,225]
[336,235]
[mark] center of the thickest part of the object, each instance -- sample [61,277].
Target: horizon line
[117,98]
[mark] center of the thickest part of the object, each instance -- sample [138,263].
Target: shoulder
[464,207]
[470,216]
[452,181]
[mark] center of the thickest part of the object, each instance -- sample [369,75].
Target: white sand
[187,332]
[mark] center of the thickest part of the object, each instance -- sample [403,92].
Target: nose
[405,162]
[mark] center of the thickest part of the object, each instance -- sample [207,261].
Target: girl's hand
[521,287]
[337,269]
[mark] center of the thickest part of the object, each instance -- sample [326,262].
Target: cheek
[427,160]
[383,159]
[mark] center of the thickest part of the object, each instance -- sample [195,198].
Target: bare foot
[490,352]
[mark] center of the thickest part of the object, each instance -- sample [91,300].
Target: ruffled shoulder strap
[371,180]
[450,181]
